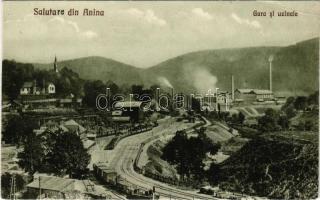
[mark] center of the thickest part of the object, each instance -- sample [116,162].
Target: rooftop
[105,168]
[71,122]
[27,84]
[131,104]
[244,90]
[254,91]
[57,184]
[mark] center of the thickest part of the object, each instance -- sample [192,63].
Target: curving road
[127,150]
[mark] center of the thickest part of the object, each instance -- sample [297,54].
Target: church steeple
[55,64]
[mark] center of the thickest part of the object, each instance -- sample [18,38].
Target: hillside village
[58,143]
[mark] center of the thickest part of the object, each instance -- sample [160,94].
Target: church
[34,88]
[55,64]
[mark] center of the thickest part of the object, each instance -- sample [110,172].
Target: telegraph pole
[217,99]
[270,72]
[39,187]
[13,187]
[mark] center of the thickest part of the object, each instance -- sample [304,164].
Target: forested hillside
[273,167]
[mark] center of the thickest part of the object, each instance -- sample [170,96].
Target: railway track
[124,166]
[163,191]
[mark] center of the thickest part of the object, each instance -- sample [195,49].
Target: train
[113,179]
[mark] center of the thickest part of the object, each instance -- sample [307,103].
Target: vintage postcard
[160,100]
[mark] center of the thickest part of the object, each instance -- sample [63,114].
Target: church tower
[55,64]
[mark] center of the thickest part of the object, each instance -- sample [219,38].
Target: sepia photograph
[190,100]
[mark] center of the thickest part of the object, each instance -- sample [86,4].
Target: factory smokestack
[232,87]
[270,72]
[172,93]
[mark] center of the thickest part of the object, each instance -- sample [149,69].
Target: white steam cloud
[164,82]
[201,79]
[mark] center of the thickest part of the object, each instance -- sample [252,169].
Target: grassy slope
[312,116]
[156,165]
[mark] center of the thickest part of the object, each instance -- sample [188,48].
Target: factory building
[219,102]
[252,95]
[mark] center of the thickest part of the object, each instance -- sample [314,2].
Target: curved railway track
[128,150]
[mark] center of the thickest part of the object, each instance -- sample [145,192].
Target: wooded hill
[295,68]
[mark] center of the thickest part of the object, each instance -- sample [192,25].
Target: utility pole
[217,99]
[270,72]
[13,187]
[153,191]
[232,87]
[39,187]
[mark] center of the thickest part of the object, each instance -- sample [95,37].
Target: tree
[289,102]
[214,173]
[290,111]
[114,88]
[238,118]
[195,104]
[32,156]
[137,91]
[188,153]
[234,118]
[301,103]
[153,89]
[241,118]
[18,129]
[13,77]
[269,122]
[91,90]
[67,81]
[313,99]
[301,126]
[284,122]
[171,152]
[308,125]
[68,155]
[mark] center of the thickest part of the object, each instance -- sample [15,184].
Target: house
[28,88]
[73,126]
[128,111]
[60,188]
[50,88]
[67,126]
[31,88]
[245,95]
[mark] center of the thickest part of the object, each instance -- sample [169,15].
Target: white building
[27,88]
[31,88]
[51,88]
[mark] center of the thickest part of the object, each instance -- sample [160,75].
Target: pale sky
[146,33]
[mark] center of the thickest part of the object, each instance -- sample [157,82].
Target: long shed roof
[57,184]
[127,104]
[254,91]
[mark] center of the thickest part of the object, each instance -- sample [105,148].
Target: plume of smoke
[201,79]
[164,82]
